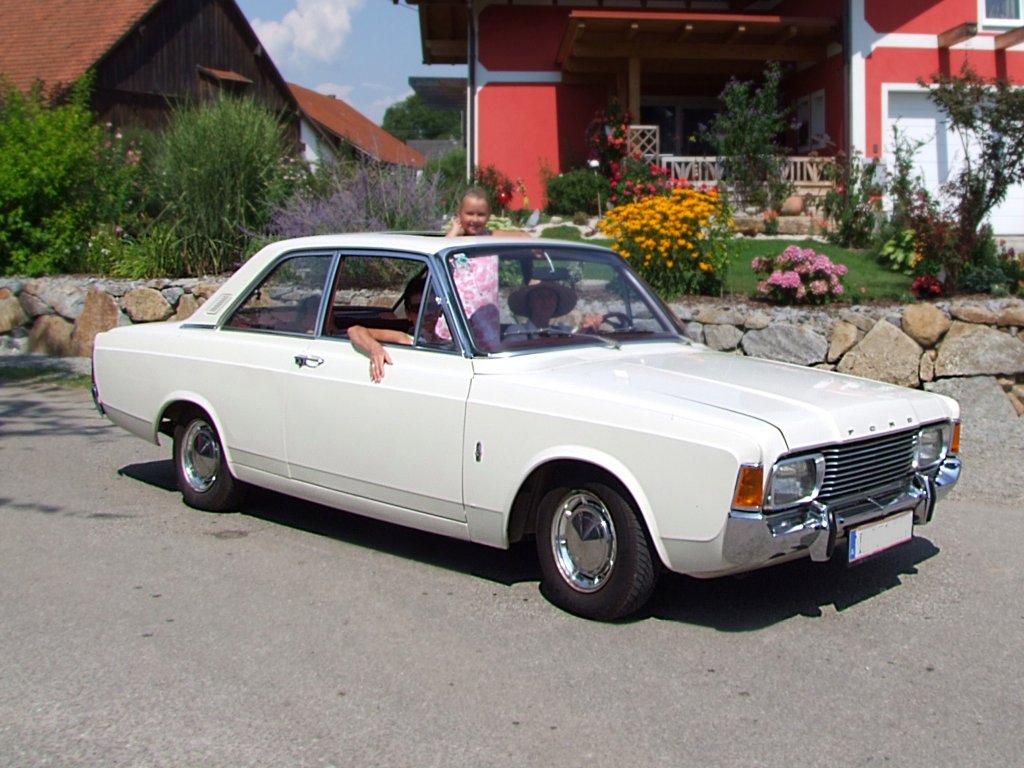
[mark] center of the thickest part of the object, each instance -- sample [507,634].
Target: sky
[362,51]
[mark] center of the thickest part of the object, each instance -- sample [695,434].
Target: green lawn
[877,282]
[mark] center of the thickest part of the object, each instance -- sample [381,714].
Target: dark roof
[339,119]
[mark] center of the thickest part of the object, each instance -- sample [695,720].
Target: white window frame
[997,23]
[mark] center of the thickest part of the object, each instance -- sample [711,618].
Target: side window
[387,292]
[288,300]
[432,329]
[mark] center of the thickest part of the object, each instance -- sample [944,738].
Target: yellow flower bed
[677,241]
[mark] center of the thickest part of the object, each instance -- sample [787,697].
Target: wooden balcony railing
[806,173]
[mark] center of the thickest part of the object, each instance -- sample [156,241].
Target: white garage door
[920,120]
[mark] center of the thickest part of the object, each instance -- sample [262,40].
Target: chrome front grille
[868,467]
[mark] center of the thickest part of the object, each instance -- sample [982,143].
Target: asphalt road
[138,632]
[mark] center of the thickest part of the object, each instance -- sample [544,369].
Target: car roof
[418,244]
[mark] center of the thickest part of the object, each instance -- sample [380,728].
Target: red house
[538,71]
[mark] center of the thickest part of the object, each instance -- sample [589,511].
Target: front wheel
[204,479]
[595,557]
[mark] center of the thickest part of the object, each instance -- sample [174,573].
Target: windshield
[526,298]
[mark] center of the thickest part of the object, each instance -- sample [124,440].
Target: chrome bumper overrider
[96,400]
[752,538]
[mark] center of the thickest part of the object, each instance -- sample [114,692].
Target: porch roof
[596,41]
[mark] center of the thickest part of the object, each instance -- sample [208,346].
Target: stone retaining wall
[914,345]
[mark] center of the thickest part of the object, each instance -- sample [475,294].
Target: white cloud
[334,89]
[314,30]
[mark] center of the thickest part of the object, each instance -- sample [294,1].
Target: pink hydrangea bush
[799,275]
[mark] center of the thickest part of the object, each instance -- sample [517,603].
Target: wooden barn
[147,55]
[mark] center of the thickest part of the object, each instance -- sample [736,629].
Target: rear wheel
[204,479]
[596,560]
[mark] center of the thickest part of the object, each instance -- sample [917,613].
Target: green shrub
[899,253]
[450,172]
[218,173]
[60,175]
[853,203]
[577,191]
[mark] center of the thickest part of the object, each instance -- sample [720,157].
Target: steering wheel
[619,321]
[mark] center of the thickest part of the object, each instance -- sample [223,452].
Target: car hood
[808,406]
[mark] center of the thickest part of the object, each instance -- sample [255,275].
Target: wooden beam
[634,88]
[958,34]
[446,49]
[685,32]
[705,51]
[1010,38]
[572,35]
[736,34]
[786,35]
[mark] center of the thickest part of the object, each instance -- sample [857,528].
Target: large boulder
[885,354]
[787,343]
[187,305]
[842,339]
[977,350]
[50,335]
[12,315]
[925,323]
[62,296]
[99,314]
[1011,315]
[147,305]
[724,338]
[973,313]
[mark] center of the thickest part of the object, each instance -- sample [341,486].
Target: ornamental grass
[678,242]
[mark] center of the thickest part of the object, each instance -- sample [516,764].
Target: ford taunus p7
[531,389]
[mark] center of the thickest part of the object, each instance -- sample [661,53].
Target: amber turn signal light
[749,493]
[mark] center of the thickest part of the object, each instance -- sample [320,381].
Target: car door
[398,442]
[248,363]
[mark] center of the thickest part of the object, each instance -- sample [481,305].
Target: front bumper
[753,538]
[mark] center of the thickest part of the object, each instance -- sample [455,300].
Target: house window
[680,122]
[810,117]
[1002,10]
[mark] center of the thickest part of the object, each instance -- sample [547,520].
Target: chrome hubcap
[200,458]
[583,541]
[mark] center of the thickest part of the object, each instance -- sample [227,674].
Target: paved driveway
[138,632]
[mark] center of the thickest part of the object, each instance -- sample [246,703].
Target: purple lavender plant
[361,197]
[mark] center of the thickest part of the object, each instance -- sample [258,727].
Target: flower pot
[793,205]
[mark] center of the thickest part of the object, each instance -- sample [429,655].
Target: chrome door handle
[310,361]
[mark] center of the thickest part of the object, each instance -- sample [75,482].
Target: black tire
[595,557]
[203,476]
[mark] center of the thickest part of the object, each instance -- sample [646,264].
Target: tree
[413,119]
[748,134]
[988,118]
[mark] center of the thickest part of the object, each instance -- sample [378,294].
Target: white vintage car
[533,388]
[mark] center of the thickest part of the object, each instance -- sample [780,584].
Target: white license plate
[874,537]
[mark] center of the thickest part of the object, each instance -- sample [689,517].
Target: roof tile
[338,118]
[57,41]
